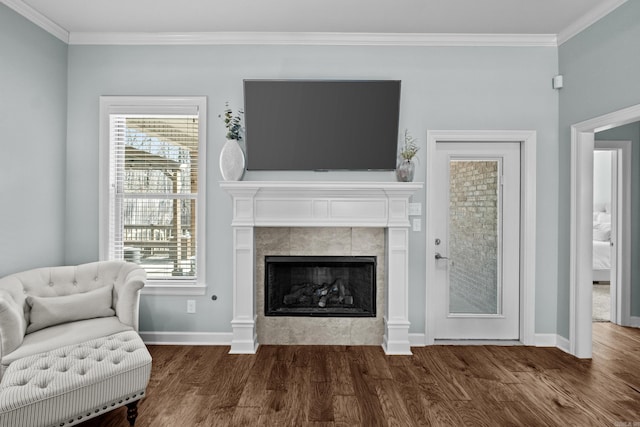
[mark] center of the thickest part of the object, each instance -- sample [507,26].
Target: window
[152,188]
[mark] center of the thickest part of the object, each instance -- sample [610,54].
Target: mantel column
[245,340]
[396,317]
[244,314]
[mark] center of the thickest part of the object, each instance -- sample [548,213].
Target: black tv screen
[321,124]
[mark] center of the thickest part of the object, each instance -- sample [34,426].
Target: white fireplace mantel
[321,204]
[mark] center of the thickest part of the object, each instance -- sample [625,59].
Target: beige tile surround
[321,241]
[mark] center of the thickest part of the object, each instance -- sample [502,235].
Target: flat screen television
[321,124]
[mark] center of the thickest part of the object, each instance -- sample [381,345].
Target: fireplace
[326,286]
[318,205]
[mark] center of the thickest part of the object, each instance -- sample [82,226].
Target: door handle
[438,256]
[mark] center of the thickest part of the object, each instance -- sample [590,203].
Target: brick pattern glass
[473,237]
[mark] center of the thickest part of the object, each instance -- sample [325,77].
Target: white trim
[417,340]
[581,246]
[552,340]
[546,340]
[186,338]
[634,321]
[611,120]
[188,290]
[528,218]
[598,12]
[38,18]
[314,39]
[563,344]
[580,261]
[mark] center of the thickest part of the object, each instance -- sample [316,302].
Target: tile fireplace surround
[321,204]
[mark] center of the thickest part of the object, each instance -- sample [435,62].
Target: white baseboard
[417,340]
[552,340]
[563,344]
[545,340]
[186,338]
[224,338]
[220,338]
[634,322]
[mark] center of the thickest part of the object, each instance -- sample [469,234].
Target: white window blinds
[153,193]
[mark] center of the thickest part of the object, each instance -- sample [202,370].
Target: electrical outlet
[191,306]
[417,225]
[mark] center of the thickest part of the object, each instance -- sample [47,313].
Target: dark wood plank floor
[361,386]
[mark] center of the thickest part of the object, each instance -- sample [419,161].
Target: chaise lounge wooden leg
[132,412]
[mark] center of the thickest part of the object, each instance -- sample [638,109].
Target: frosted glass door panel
[474,221]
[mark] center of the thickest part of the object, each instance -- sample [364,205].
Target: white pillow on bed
[602,231]
[599,207]
[604,218]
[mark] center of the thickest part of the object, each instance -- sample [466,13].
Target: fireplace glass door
[329,286]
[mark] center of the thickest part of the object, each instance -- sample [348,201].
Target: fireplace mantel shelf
[350,186]
[321,204]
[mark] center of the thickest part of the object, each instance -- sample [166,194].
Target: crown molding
[591,17]
[313,39]
[37,18]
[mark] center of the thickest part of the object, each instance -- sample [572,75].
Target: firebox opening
[329,286]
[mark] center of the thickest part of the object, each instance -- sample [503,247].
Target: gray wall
[33,119]
[442,88]
[601,68]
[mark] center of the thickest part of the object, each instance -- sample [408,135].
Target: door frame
[528,151]
[621,151]
[580,257]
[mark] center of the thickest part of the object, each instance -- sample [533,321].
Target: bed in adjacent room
[601,244]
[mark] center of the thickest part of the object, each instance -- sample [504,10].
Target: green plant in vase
[233,123]
[406,168]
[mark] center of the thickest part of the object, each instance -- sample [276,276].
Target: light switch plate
[417,224]
[415,209]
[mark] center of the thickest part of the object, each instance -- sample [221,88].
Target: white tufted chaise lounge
[69,349]
[75,383]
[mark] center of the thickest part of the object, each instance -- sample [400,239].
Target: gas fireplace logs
[312,294]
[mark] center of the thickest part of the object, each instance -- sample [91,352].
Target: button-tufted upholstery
[73,383]
[126,280]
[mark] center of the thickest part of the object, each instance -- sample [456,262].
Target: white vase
[231,161]
[405,171]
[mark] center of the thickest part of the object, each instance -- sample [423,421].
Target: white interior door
[477,247]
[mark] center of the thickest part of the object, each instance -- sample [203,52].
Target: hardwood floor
[361,386]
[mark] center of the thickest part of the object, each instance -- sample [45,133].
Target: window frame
[153,105]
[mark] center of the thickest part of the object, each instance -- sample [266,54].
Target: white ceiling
[549,17]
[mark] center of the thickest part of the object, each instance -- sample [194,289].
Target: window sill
[173,289]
